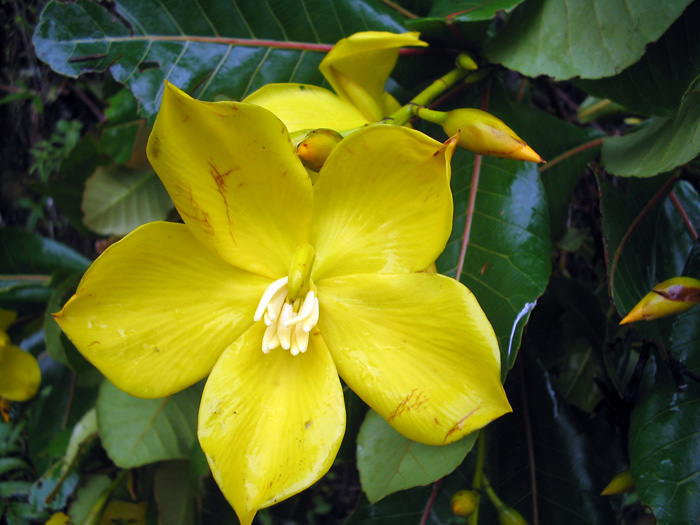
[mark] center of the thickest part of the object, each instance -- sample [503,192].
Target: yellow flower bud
[509,516]
[464,502]
[620,484]
[484,134]
[316,146]
[670,297]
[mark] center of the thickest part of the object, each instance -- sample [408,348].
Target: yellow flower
[357,68]
[267,266]
[19,371]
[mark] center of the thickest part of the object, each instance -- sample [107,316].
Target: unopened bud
[670,297]
[464,502]
[620,484]
[316,146]
[509,516]
[481,133]
[464,61]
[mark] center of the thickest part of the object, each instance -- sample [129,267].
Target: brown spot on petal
[413,401]
[459,425]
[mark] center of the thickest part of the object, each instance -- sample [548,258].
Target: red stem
[431,501]
[618,253]
[528,440]
[470,214]
[570,153]
[684,216]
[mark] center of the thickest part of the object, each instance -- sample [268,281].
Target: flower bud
[509,516]
[484,134]
[620,484]
[481,133]
[464,502]
[316,146]
[670,297]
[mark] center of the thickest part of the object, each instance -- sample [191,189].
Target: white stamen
[312,319]
[270,334]
[267,297]
[306,308]
[266,318]
[284,332]
[274,307]
[301,338]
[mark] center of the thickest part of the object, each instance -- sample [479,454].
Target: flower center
[289,307]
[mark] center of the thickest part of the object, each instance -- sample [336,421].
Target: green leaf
[568,328]
[389,462]
[569,459]
[118,199]
[660,145]
[210,48]
[470,10]
[57,344]
[550,137]
[586,38]
[119,134]
[656,84]
[507,261]
[174,494]
[9,464]
[136,431]
[25,253]
[630,214]
[88,495]
[665,452]
[52,490]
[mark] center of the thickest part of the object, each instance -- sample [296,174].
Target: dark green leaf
[467,10]
[665,452]
[25,253]
[10,464]
[57,344]
[573,459]
[660,145]
[507,261]
[550,137]
[657,83]
[389,462]
[586,38]
[212,49]
[139,431]
[174,494]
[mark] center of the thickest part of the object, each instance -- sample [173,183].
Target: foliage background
[605,90]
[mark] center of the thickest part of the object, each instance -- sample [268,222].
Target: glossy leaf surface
[599,38]
[507,261]
[212,49]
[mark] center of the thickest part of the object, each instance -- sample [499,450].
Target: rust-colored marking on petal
[220,180]
[459,425]
[413,401]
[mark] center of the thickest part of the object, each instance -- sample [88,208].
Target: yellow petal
[358,67]
[232,172]
[382,203]
[418,349]
[7,317]
[270,424]
[303,107]
[20,376]
[156,310]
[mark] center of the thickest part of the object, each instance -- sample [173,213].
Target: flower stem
[478,474]
[426,96]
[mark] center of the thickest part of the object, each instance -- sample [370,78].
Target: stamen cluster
[288,322]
